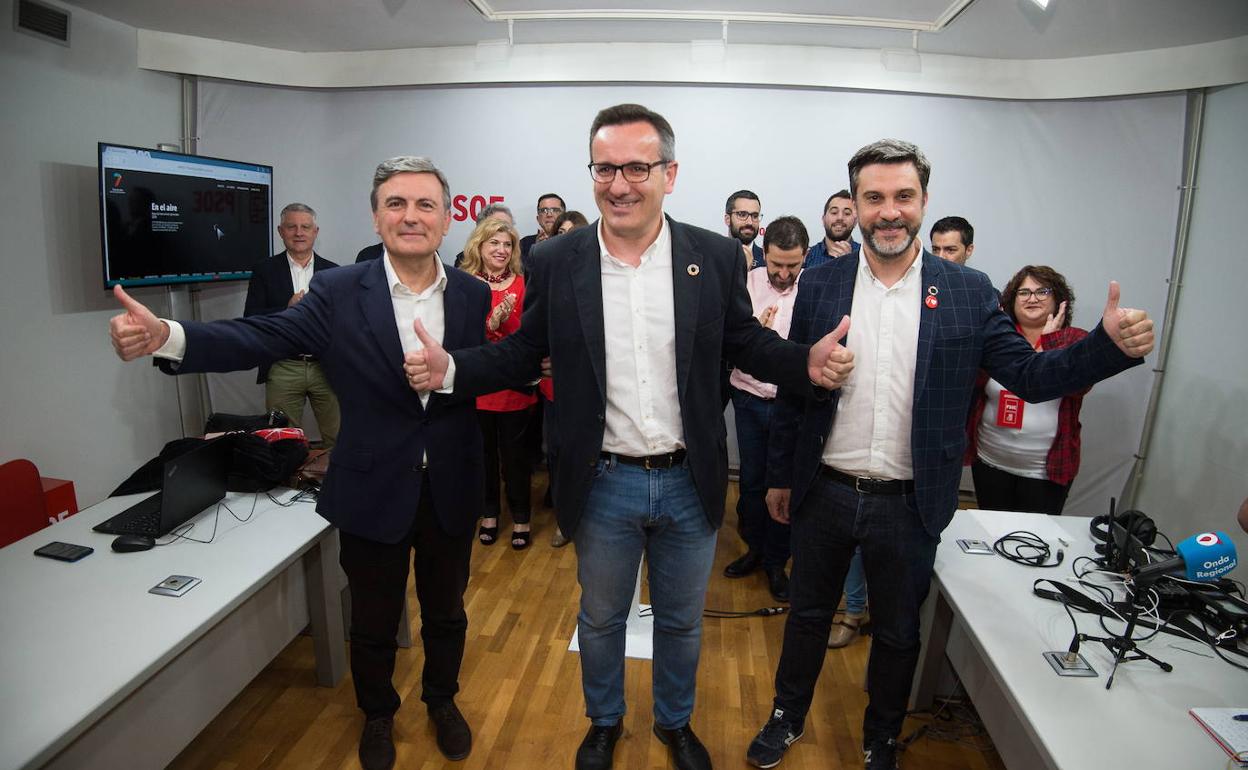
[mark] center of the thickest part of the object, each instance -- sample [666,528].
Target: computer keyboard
[142,518]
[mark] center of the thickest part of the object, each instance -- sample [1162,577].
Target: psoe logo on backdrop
[117,183]
[465,208]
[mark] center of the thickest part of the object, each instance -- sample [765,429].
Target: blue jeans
[856,585]
[630,511]
[760,532]
[897,554]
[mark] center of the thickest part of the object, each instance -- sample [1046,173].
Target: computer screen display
[170,218]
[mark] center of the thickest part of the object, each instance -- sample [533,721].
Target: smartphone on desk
[64,551]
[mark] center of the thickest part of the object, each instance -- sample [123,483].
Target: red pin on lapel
[931,300]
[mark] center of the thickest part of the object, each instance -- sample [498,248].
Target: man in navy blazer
[877,463]
[407,474]
[636,315]
[279,282]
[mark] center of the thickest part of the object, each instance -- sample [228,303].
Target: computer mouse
[130,543]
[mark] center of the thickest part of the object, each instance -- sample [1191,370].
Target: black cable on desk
[1026,548]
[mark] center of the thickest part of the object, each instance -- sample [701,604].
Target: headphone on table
[1136,523]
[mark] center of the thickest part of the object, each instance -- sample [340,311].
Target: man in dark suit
[549,207]
[877,464]
[277,283]
[407,473]
[742,216]
[370,252]
[636,315]
[839,219]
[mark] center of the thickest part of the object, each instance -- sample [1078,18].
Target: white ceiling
[999,29]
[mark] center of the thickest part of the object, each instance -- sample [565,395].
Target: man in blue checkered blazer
[876,463]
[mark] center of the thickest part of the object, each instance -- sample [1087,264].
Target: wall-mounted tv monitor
[169,218]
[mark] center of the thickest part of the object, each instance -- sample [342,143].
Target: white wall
[1088,187]
[66,402]
[1196,473]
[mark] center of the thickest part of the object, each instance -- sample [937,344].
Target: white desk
[97,672]
[982,615]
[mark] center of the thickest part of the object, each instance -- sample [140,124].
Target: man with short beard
[839,218]
[742,214]
[772,288]
[877,463]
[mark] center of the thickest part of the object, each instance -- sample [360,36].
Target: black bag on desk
[220,422]
[256,466]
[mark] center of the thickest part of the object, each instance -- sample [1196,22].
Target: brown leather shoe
[846,630]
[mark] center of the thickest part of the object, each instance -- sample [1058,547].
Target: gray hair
[296,208]
[408,164]
[492,209]
[623,114]
[888,151]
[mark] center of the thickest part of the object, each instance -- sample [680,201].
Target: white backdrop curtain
[1088,187]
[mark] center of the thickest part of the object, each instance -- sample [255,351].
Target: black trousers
[998,490]
[377,579]
[897,555]
[506,445]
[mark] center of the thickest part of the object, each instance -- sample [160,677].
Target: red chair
[23,510]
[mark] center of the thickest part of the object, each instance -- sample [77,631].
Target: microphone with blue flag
[1202,558]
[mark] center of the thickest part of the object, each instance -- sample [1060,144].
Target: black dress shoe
[745,565]
[598,747]
[454,737]
[778,583]
[687,751]
[377,745]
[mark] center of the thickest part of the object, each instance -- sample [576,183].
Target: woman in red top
[1024,456]
[492,254]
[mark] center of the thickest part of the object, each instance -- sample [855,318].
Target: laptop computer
[189,484]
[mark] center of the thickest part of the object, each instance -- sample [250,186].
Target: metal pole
[1187,192]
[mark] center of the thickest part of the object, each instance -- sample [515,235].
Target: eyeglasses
[1025,294]
[550,210]
[744,216]
[604,173]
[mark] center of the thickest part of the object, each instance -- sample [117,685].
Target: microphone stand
[1124,647]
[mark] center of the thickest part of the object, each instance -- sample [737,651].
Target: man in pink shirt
[772,287]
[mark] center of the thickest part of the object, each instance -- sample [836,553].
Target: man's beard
[779,287]
[740,234]
[843,236]
[886,253]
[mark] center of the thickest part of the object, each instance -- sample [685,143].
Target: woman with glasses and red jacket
[1024,456]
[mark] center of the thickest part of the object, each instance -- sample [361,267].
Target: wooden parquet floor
[520,686]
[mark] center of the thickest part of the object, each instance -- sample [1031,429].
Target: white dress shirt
[870,435]
[300,276]
[639,321]
[427,305]
[762,296]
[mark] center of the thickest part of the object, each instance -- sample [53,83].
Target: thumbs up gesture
[1130,329]
[425,368]
[830,362]
[136,332]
